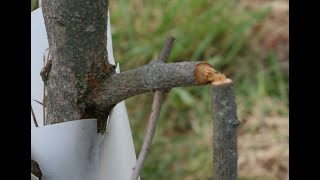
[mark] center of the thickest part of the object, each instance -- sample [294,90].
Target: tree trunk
[77,34]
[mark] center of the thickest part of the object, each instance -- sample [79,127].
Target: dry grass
[263,144]
[263,140]
[273,31]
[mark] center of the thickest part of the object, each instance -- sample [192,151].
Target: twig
[165,52]
[43,104]
[38,102]
[34,118]
[156,106]
[225,124]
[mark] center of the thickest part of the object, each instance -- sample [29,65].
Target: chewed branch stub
[204,74]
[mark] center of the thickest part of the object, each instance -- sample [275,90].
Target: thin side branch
[165,52]
[156,106]
[148,78]
[225,124]
[38,102]
[34,118]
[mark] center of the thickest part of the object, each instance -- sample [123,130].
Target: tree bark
[225,126]
[77,34]
[148,78]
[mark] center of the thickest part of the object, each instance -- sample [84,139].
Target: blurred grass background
[246,40]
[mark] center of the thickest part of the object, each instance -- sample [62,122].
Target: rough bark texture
[77,34]
[148,78]
[225,124]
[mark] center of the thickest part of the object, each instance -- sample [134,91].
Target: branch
[165,52]
[34,118]
[225,124]
[148,78]
[156,106]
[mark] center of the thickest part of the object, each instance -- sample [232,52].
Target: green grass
[216,31]
[34,4]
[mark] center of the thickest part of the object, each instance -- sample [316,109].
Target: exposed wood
[225,126]
[204,73]
[155,112]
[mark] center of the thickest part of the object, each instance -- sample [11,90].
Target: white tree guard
[74,150]
[33,177]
